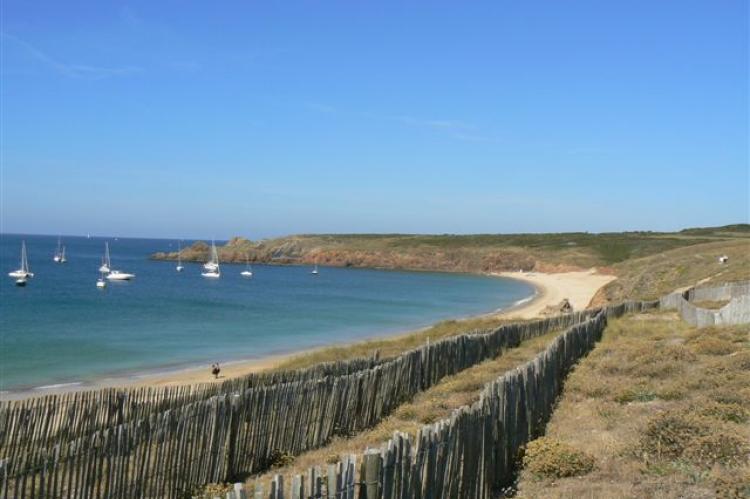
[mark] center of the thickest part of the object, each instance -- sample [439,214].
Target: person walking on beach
[215,370]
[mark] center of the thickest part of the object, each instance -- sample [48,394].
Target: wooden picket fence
[470,455]
[169,442]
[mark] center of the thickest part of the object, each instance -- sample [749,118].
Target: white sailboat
[212,266]
[58,253]
[248,272]
[101,283]
[22,274]
[106,264]
[179,258]
[116,275]
[213,263]
[62,256]
[315,270]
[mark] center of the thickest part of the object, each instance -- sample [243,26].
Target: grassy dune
[465,253]
[658,409]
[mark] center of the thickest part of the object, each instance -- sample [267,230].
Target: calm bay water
[61,329]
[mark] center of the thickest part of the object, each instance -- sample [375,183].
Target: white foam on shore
[57,386]
[524,300]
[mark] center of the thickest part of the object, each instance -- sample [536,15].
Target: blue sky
[179,119]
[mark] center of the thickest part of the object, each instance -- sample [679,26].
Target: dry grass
[427,407]
[392,346]
[662,407]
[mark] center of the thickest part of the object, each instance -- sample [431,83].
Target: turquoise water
[61,329]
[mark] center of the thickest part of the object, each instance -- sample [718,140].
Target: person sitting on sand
[215,370]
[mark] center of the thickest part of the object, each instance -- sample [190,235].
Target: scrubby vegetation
[662,409]
[550,458]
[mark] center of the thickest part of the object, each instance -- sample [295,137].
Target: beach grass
[390,347]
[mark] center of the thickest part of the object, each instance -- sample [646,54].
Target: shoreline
[548,291]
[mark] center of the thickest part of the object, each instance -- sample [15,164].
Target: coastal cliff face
[309,250]
[461,253]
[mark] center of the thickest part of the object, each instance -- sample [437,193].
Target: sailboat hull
[119,276]
[20,274]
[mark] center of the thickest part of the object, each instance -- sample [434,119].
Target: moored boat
[23,272]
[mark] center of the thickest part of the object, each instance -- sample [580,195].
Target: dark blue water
[60,328]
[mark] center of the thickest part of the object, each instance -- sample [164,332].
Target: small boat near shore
[112,274]
[23,273]
[213,271]
[59,252]
[213,262]
[248,272]
[315,270]
[179,266]
[116,275]
[106,264]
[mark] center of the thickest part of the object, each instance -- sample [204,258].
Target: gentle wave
[524,300]
[59,385]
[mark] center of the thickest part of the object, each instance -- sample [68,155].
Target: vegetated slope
[657,409]
[462,253]
[656,275]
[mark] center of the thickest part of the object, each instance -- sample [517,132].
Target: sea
[62,331]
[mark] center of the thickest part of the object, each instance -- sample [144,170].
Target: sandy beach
[578,287]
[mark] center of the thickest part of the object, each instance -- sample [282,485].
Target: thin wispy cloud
[68,69]
[321,108]
[437,124]
[456,129]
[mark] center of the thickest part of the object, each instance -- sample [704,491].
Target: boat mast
[24,259]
